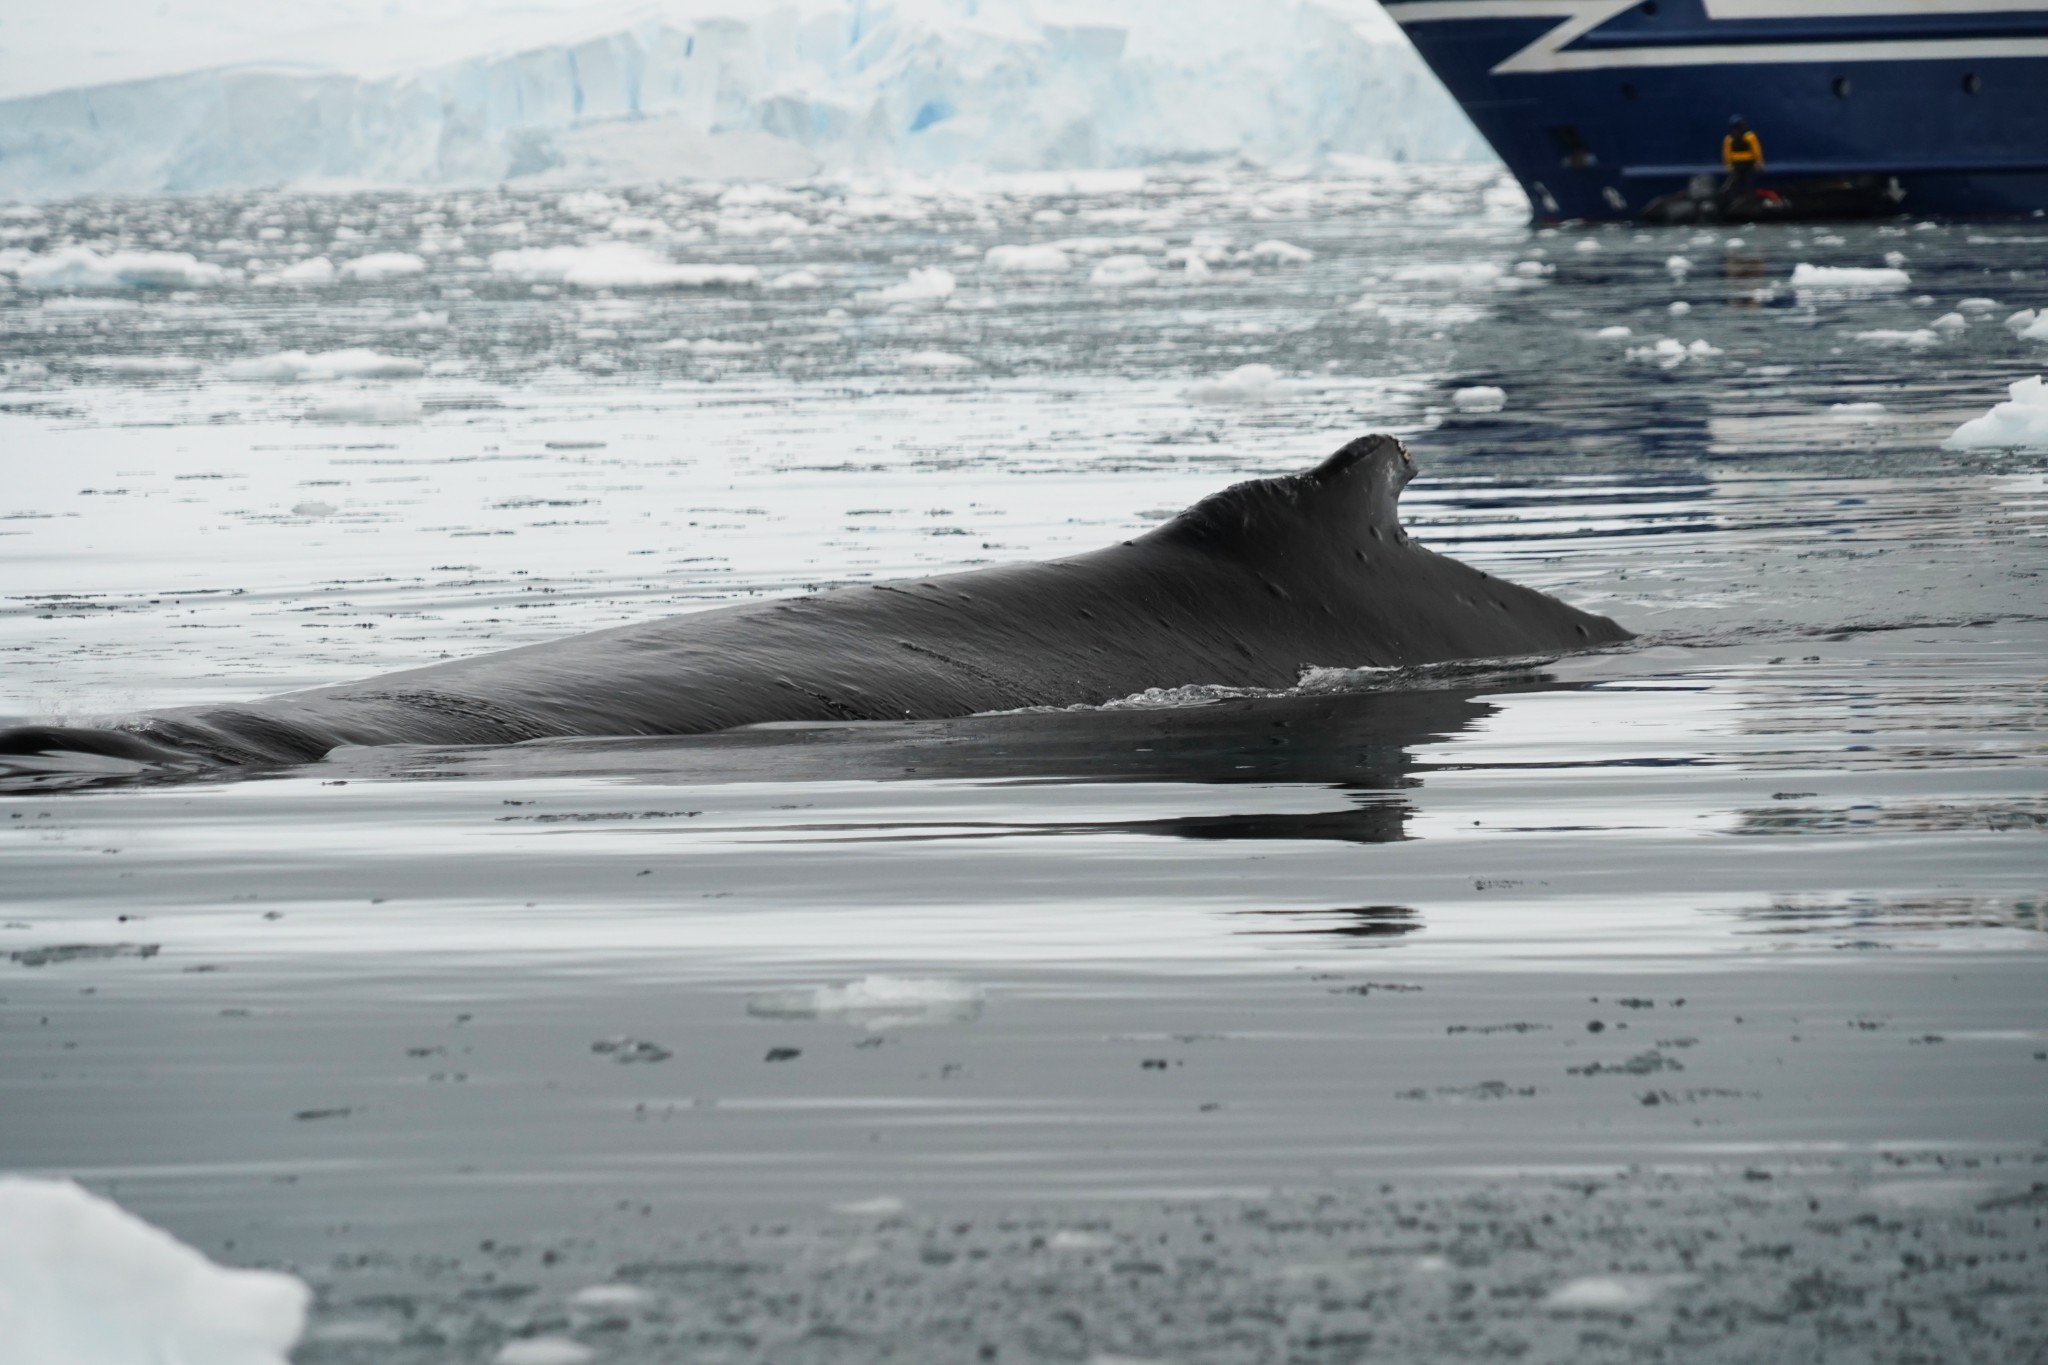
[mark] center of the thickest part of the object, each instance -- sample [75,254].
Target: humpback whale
[1246,588]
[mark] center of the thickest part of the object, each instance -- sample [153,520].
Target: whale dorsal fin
[1355,494]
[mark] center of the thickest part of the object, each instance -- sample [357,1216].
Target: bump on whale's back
[1354,494]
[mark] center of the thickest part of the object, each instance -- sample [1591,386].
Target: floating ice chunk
[631,225]
[1276,252]
[1458,274]
[936,360]
[2019,323]
[1679,308]
[614,265]
[1614,333]
[1245,384]
[2019,423]
[608,1296]
[1117,272]
[882,1206]
[1586,247]
[543,1351]
[877,1002]
[2037,330]
[1534,270]
[1110,246]
[1949,322]
[357,362]
[383,265]
[1892,336]
[1480,398]
[373,409]
[315,270]
[707,346]
[1076,1239]
[1848,279]
[145,366]
[82,1282]
[1677,265]
[1977,306]
[80,267]
[1856,412]
[1606,1293]
[930,284]
[1669,352]
[792,280]
[1025,260]
[1895,259]
[1048,216]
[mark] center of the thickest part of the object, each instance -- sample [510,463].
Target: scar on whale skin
[1246,588]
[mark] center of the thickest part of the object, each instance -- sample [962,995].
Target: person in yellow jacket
[1742,155]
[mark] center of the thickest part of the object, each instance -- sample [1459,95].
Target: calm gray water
[1761,892]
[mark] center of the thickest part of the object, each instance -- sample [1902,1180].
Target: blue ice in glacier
[744,89]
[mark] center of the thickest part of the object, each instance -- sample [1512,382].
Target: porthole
[1841,87]
[1972,83]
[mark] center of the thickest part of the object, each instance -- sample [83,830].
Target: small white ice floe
[2019,423]
[1677,265]
[1679,308]
[306,274]
[1606,1293]
[1534,270]
[877,1002]
[371,409]
[1977,306]
[2029,325]
[927,284]
[356,362]
[1456,274]
[707,346]
[543,1351]
[790,281]
[1895,259]
[614,265]
[1479,398]
[1586,247]
[145,366]
[84,1282]
[1949,322]
[1117,272]
[80,267]
[1245,384]
[1026,260]
[1273,251]
[881,1206]
[1856,412]
[1915,337]
[936,360]
[1075,1239]
[1614,333]
[1669,352]
[608,1296]
[383,265]
[1848,279]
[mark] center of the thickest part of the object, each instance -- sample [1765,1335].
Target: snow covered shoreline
[775,91]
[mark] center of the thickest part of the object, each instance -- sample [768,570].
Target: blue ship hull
[1600,106]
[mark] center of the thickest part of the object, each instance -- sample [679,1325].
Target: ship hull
[1599,108]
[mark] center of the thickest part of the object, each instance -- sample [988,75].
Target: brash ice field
[1674,995]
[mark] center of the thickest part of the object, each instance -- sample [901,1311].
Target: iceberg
[732,90]
[2019,423]
[84,1282]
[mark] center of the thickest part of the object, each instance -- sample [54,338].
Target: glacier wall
[773,90]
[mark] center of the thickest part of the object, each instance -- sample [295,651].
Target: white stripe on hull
[1579,17]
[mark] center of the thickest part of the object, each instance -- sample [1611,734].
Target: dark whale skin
[1245,588]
